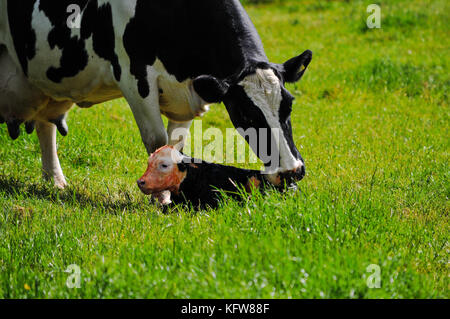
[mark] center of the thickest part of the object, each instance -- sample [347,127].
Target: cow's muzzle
[287,178]
[290,177]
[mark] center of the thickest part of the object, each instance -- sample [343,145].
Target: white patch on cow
[28,102]
[95,83]
[44,54]
[264,89]
[122,12]
[178,100]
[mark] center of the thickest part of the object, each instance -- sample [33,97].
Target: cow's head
[258,100]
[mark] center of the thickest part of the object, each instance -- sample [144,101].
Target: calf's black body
[203,182]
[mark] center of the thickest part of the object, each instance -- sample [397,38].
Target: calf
[171,174]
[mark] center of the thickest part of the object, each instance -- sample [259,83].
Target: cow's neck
[240,44]
[214,37]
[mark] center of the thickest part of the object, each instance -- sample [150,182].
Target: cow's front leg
[50,163]
[147,114]
[178,133]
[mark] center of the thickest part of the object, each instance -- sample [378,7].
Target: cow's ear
[296,67]
[211,89]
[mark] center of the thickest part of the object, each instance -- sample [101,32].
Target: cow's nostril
[290,177]
[141,183]
[302,172]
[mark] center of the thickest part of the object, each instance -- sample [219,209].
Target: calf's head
[260,108]
[163,174]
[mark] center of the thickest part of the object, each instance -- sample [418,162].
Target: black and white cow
[171,57]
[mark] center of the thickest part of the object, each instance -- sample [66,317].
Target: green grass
[371,119]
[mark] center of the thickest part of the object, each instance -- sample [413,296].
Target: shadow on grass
[82,198]
[73,196]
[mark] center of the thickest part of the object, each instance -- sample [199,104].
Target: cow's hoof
[60,183]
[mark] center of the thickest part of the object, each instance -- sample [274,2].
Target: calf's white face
[162,172]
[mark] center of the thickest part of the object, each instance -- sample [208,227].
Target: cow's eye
[163,166]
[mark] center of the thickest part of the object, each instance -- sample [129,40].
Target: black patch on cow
[74,56]
[211,89]
[98,23]
[24,37]
[140,55]
[191,38]
[285,121]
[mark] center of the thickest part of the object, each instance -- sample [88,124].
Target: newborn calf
[172,176]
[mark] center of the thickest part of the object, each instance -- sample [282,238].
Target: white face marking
[264,89]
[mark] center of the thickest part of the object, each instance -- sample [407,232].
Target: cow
[165,57]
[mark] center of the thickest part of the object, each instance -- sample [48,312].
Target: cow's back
[190,38]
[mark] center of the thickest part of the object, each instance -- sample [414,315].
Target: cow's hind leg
[21,102]
[46,132]
[48,121]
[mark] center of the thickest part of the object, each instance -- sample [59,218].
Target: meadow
[371,120]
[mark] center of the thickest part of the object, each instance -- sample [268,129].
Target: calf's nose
[141,183]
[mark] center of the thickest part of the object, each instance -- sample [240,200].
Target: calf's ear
[211,89]
[294,69]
